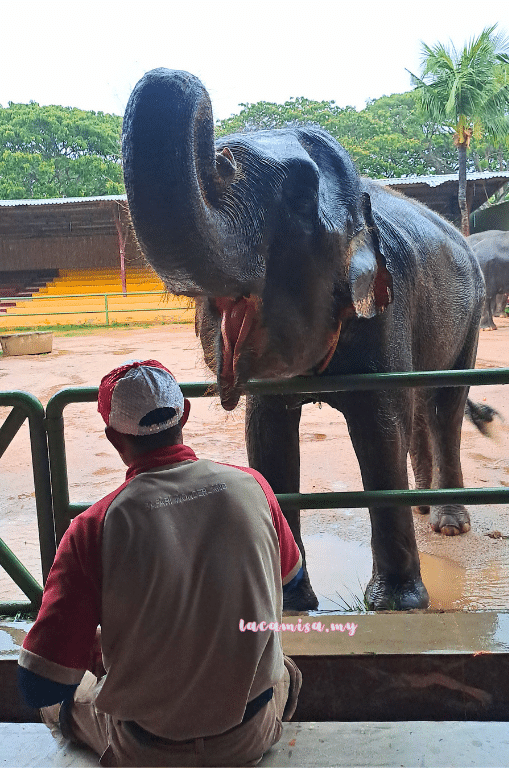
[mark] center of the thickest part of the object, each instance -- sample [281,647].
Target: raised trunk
[462,188]
[175,185]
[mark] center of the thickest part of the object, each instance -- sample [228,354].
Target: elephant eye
[302,201]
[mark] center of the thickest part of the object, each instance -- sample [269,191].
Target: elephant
[298,265]
[492,251]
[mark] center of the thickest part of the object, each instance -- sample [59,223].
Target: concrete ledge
[415,666]
[349,745]
[404,687]
[32,343]
[395,666]
[366,689]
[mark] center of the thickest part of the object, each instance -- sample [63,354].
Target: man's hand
[95,664]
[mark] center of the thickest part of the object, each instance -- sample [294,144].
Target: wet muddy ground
[469,571]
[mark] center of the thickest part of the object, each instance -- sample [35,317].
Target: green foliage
[58,152]
[390,138]
[265,115]
[387,138]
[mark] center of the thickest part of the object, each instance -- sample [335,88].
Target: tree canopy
[54,151]
[390,138]
[385,139]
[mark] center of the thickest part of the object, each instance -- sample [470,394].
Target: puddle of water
[340,570]
[7,644]
[445,582]
[11,638]
[487,588]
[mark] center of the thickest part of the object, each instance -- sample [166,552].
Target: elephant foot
[451,519]
[301,597]
[383,595]
[422,510]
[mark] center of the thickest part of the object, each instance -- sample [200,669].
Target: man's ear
[117,439]
[185,415]
[369,278]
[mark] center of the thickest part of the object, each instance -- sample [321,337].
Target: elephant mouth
[245,351]
[241,335]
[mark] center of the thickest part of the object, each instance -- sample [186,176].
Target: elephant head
[269,231]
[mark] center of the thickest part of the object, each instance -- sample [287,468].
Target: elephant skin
[492,251]
[298,265]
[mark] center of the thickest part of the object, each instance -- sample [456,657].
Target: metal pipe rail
[64,510]
[163,306]
[39,296]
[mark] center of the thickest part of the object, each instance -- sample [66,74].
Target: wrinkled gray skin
[283,245]
[491,249]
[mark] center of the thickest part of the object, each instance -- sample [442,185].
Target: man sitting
[168,566]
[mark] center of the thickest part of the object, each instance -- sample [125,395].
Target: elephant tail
[482,417]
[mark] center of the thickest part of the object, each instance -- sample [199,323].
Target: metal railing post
[57,454]
[26,405]
[106,308]
[43,495]
[10,428]
[33,409]
[58,473]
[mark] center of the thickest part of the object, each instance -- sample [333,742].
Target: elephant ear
[368,276]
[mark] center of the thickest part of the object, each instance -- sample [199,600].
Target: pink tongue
[236,323]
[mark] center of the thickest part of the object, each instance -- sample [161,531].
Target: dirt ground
[469,571]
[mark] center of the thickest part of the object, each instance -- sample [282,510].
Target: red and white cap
[140,397]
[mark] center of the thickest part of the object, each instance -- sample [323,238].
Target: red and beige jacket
[168,565]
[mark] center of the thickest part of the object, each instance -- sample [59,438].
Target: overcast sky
[91,54]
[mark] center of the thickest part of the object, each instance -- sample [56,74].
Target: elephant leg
[380,428]
[272,440]
[500,304]
[487,323]
[421,452]
[445,418]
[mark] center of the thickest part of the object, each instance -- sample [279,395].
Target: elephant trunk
[178,189]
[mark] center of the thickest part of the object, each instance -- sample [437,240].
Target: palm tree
[467,93]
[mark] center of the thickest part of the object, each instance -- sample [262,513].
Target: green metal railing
[163,305]
[26,406]
[64,510]
[51,459]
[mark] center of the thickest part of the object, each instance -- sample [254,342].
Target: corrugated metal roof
[60,200]
[436,181]
[431,181]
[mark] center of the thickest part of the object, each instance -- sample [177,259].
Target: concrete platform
[416,666]
[385,745]
[442,679]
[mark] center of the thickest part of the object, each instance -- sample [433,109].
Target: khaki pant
[119,745]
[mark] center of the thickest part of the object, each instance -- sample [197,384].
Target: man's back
[186,551]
